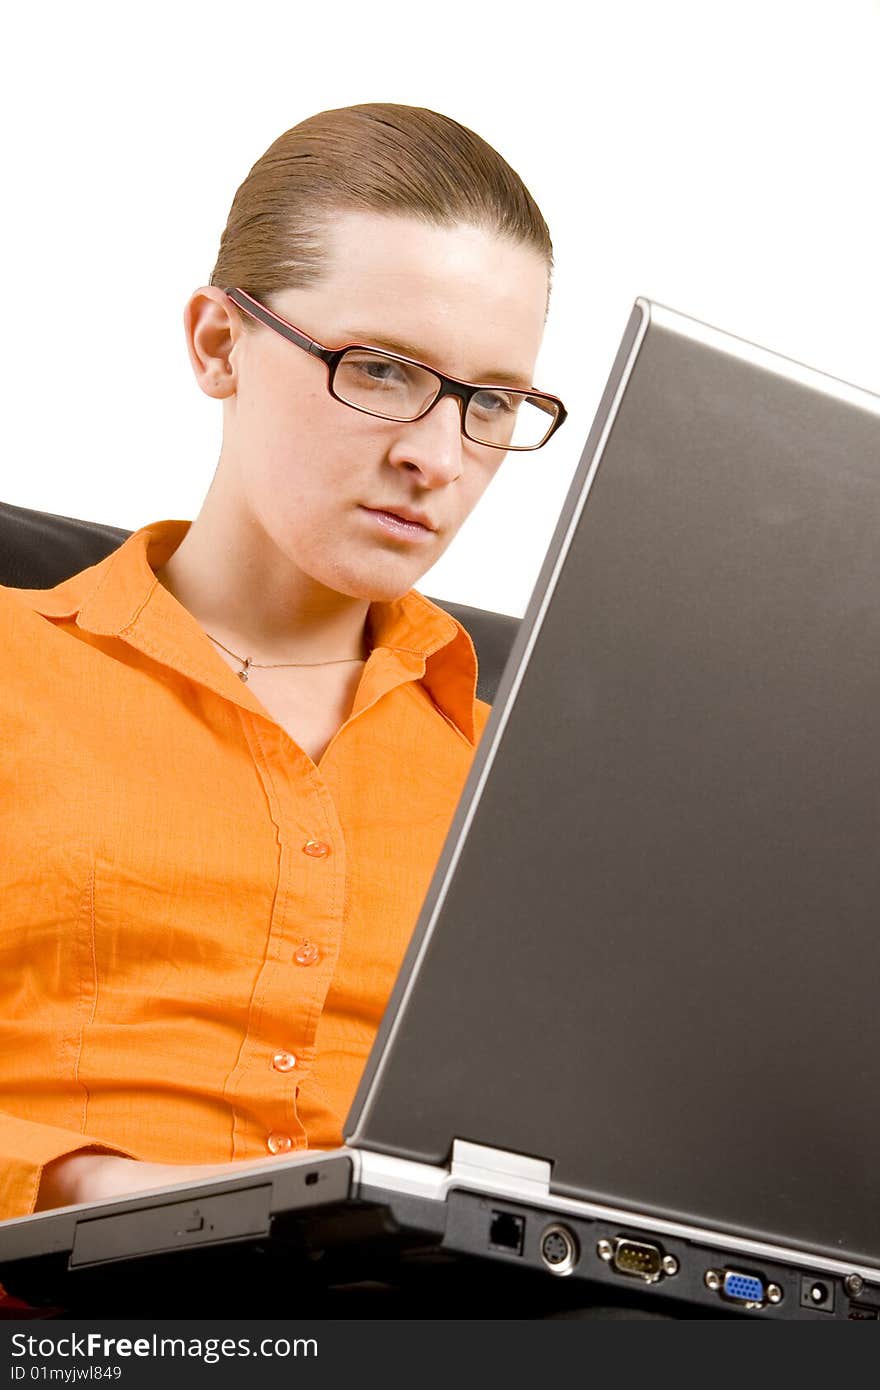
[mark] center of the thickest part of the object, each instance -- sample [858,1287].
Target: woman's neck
[229,589]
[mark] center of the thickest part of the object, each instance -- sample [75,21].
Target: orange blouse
[200,927]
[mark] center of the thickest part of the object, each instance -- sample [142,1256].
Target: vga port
[743,1288]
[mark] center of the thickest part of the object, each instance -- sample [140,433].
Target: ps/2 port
[559,1249]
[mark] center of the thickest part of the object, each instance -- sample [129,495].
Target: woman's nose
[434,444]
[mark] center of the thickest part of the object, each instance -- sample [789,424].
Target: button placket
[310,896]
[307,953]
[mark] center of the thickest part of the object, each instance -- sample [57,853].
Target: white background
[721,158]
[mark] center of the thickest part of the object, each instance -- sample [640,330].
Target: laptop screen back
[650,950]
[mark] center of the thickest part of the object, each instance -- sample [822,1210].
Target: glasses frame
[464,391]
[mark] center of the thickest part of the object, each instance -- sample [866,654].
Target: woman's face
[312,472]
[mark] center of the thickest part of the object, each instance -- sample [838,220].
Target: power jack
[559,1249]
[817,1293]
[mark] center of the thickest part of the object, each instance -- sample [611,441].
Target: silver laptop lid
[650,950]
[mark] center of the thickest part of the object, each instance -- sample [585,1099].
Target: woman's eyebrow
[370,339]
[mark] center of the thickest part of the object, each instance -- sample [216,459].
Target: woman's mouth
[394,525]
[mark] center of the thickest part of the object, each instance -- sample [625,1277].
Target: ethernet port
[506,1232]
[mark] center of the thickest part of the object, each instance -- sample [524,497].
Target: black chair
[39,549]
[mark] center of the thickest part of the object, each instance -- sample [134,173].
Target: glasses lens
[383,385]
[400,391]
[510,419]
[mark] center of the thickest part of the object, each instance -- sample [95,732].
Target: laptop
[635,1042]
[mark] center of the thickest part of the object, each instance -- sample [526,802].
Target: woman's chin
[376,586]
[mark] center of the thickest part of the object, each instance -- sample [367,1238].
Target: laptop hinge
[380,1170]
[478,1164]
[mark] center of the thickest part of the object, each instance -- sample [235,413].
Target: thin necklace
[248,663]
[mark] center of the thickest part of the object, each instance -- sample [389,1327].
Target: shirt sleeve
[26,1146]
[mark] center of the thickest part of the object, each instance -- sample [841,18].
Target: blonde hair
[376,157]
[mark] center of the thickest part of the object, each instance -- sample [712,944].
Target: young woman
[237,742]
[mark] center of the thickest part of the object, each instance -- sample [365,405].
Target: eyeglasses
[394,387]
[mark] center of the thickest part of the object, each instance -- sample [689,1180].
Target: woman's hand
[91,1177]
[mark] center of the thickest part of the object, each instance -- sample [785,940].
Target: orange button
[284,1061]
[316,848]
[306,954]
[279,1143]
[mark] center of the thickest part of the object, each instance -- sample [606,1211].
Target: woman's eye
[493,402]
[379,372]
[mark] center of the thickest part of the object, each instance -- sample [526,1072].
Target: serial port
[637,1259]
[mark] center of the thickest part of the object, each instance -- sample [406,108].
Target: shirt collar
[120,596]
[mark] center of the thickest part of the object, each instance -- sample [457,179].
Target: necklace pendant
[243,673]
